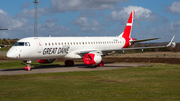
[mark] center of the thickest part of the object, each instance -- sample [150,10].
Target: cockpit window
[22,44]
[27,44]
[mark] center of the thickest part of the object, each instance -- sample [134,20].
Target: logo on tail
[128,28]
[127,31]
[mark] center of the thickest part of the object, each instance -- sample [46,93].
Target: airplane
[90,49]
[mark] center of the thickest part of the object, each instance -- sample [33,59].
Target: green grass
[159,82]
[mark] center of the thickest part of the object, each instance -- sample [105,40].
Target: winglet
[171,42]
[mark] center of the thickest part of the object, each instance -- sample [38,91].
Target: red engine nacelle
[92,59]
[43,61]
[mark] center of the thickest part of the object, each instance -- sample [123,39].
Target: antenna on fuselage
[35,19]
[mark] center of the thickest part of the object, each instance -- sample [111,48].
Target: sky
[56,18]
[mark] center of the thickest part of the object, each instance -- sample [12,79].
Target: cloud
[19,26]
[22,27]
[175,7]
[141,14]
[166,31]
[50,27]
[92,26]
[25,5]
[76,5]
[175,27]
[2,12]
[30,13]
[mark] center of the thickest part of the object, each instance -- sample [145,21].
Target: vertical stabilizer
[127,30]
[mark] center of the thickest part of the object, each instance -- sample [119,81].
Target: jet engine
[92,58]
[44,61]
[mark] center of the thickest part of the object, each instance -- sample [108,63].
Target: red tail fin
[127,30]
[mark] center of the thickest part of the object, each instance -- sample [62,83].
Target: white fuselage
[35,48]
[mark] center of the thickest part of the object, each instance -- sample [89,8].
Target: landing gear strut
[28,67]
[69,63]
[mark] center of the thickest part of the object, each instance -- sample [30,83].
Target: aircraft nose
[10,55]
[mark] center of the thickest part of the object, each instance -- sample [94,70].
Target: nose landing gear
[28,67]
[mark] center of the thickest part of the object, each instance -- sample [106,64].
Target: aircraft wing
[86,51]
[134,41]
[5,29]
[171,43]
[106,51]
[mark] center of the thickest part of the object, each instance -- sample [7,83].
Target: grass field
[160,82]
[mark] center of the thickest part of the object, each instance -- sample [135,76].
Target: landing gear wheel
[101,64]
[69,63]
[28,67]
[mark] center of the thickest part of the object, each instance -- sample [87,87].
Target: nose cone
[10,54]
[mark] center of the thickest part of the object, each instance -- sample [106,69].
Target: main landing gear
[69,63]
[101,64]
[28,67]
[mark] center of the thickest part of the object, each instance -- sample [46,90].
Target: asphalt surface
[59,68]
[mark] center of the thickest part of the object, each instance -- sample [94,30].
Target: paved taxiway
[59,68]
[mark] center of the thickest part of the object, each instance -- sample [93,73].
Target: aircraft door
[39,44]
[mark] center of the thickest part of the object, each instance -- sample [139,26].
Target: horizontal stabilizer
[134,41]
